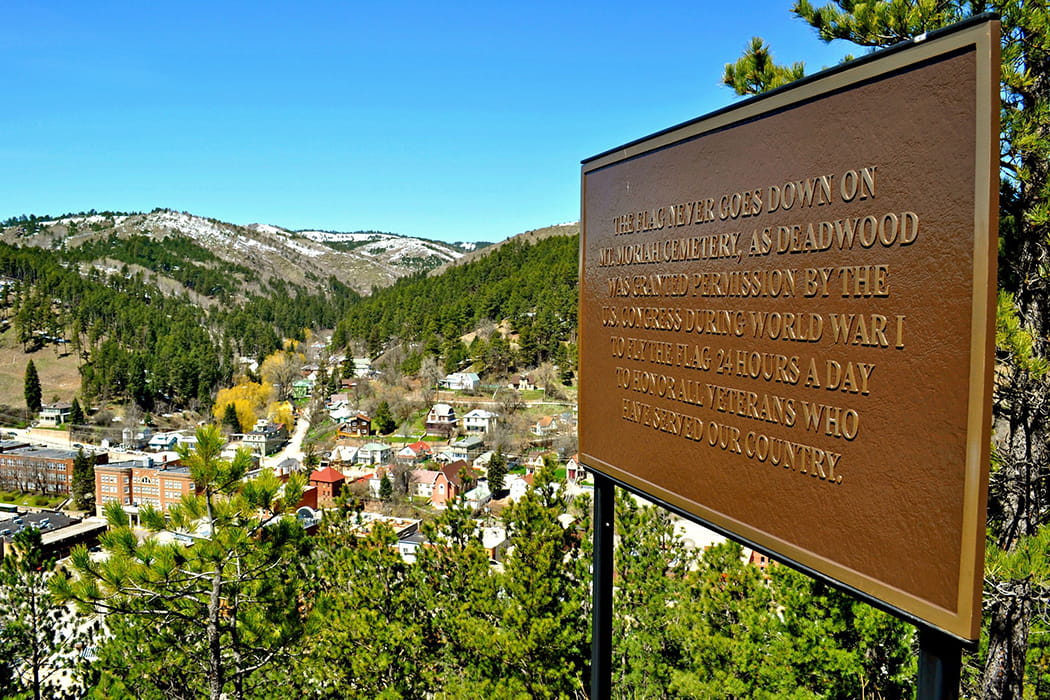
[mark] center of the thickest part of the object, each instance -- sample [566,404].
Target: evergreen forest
[137,342]
[532,286]
[260,609]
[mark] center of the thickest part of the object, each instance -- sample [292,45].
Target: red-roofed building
[416,452]
[329,485]
[454,477]
[760,560]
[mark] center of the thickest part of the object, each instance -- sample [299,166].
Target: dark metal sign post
[602,588]
[940,665]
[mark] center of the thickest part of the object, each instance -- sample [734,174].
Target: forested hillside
[140,343]
[533,286]
[164,320]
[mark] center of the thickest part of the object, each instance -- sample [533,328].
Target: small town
[437,458]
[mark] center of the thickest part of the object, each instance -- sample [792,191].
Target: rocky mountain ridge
[361,260]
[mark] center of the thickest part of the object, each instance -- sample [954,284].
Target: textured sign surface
[786,320]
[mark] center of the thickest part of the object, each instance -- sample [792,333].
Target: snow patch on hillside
[78,220]
[388,246]
[192,226]
[245,243]
[308,251]
[335,237]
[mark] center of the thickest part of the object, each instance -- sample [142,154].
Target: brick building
[329,485]
[141,483]
[33,468]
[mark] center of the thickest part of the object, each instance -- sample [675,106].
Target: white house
[416,452]
[478,496]
[479,421]
[423,482]
[55,414]
[545,426]
[461,381]
[345,454]
[362,367]
[516,485]
[163,441]
[467,448]
[481,463]
[374,453]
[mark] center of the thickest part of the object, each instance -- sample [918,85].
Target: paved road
[294,448]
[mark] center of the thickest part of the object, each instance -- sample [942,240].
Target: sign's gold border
[964,622]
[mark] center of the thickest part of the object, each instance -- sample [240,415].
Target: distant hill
[178,249]
[524,287]
[567,229]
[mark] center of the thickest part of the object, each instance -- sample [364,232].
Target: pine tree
[369,621]
[230,419]
[543,625]
[76,418]
[383,422]
[756,71]
[386,488]
[32,388]
[497,471]
[83,487]
[37,633]
[207,619]
[648,632]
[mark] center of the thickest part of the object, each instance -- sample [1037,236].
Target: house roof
[453,469]
[481,413]
[545,421]
[344,453]
[461,376]
[416,448]
[374,447]
[424,476]
[442,409]
[327,476]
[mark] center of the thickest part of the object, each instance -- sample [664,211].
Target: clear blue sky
[448,120]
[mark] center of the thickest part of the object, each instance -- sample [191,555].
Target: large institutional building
[25,467]
[141,482]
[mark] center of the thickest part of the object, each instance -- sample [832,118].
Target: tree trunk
[216,678]
[1008,627]
[34,629]
[1017,508]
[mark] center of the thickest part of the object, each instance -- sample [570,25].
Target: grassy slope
[59,375]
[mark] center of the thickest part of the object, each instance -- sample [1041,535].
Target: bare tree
[508,400]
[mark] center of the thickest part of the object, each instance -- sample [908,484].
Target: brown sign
[787,319]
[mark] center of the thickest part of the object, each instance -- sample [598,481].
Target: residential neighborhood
[446,462]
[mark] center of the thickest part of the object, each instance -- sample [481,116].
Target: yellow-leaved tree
[250,401]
